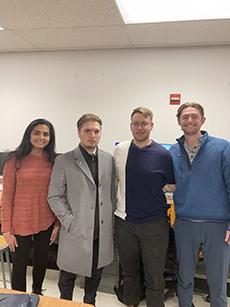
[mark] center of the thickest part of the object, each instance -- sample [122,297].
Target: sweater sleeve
[8,194]
[170,171]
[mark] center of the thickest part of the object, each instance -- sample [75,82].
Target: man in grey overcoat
[81,194]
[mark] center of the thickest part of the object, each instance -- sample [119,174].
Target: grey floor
[103,299]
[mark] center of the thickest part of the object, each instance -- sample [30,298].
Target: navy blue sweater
[148,170]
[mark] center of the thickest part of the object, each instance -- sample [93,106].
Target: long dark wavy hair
[25,146]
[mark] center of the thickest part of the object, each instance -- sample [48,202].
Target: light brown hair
[144,111]
[194,105]
[88,117]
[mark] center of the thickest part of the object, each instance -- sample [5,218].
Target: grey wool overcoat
[72,197]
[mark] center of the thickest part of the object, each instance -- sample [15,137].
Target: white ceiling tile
[12,42]
[89,24]
[179,33]
[58,13]
[74,38]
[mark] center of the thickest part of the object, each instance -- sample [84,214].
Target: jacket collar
[82,164]
[80,161]
[203,138]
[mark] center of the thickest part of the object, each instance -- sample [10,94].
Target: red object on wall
[175,98]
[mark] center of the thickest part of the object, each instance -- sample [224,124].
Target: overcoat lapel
[82,164]
[100,165]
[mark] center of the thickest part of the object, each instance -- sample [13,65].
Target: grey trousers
[189,235]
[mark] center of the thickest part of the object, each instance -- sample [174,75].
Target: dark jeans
[20,258]
[150,241]
[67,280]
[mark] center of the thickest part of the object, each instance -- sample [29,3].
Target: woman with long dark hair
[26,215]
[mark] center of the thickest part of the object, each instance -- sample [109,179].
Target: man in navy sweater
[202,201]
[143,168]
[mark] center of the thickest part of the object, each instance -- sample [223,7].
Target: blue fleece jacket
[203,187]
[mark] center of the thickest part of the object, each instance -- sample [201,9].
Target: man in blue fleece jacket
[202,200]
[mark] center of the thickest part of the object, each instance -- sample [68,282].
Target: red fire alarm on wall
[175,98]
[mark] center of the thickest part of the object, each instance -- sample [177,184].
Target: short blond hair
[144,111]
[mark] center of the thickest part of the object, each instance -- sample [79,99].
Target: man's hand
[169,188]
[227,237]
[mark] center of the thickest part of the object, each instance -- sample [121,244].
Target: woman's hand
[11,241]
[54,233]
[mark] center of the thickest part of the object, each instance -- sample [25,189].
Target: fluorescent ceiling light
[149,11]
[2,28]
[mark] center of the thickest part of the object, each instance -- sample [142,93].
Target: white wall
[61,86]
